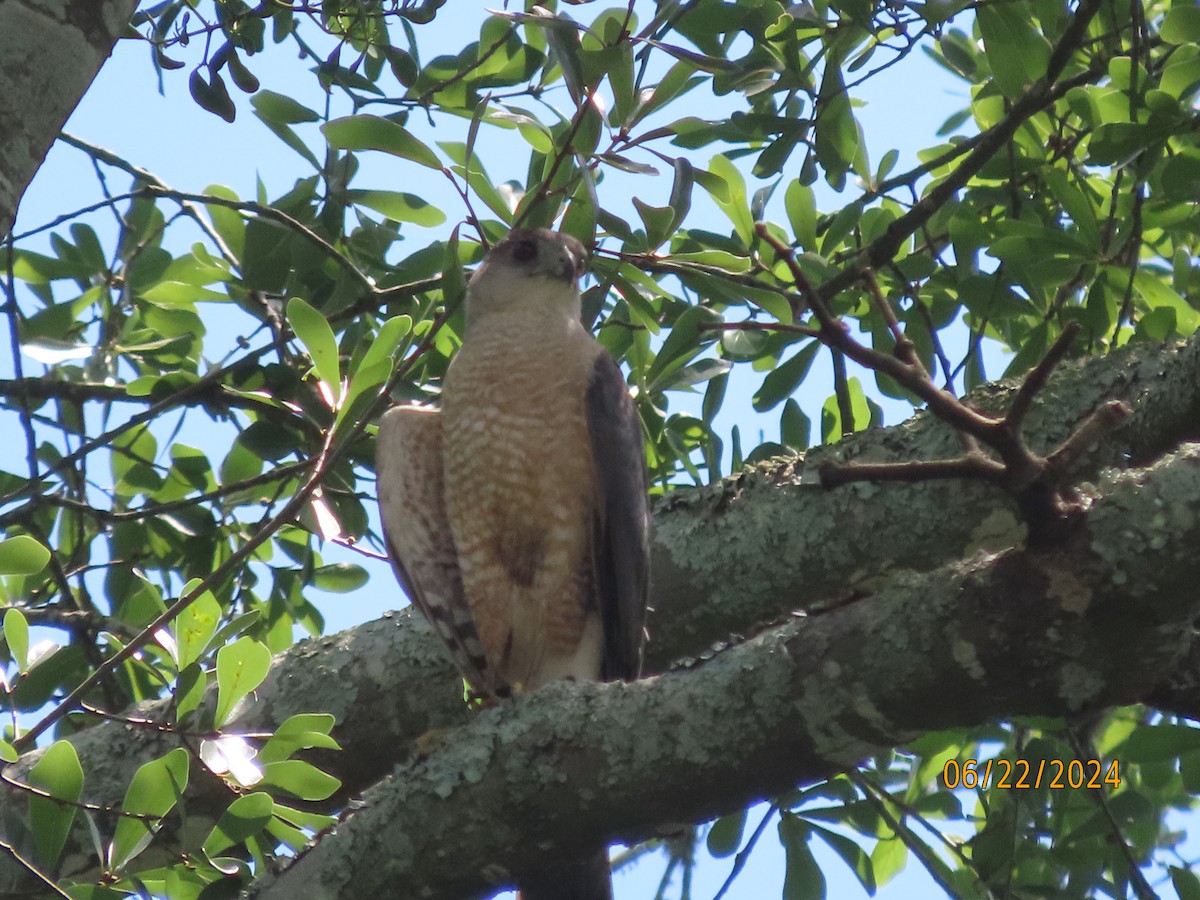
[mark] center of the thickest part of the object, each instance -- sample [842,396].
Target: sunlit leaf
[241,667]
[60,775]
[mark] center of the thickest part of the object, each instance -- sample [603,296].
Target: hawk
[516,516]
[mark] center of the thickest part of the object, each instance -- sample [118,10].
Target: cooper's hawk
[516,518]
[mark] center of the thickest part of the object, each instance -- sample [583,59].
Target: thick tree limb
[1057,633]
[49,54]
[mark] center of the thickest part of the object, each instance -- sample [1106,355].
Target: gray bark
[1060,633]
[50,51]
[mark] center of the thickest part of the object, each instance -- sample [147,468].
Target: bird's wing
[620,539]
[410,485]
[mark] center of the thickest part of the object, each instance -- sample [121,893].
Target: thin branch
[1036,379]
[904,349]
[973,466]
[934,866]
[33,870]
[1141,887]
[742,326]
[544,187]
[178,398]
[194,212]
[743,855]
[1104,420]
[13,314]
[150,510]
[841,390]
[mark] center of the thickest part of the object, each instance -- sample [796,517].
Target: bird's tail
[586,879]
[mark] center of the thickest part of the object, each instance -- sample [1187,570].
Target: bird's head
[531,269]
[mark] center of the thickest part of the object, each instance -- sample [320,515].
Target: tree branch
[996,636]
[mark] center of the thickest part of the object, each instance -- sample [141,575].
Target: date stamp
[1024,774]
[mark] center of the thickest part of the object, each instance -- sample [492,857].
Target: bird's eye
[524,251]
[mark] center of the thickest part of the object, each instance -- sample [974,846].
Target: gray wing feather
[621,527]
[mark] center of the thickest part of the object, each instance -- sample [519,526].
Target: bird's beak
[562,266]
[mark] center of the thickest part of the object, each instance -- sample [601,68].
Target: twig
[976,467]
[743,855]
[1107,418]
[841,390]
[319,465]
[13,313]
[193,211]
[1036,379]
[150,510]
[1141,887]
[545,186]
[742,326]
[934,866]
[904,349]
[36,791]
[176,399]
[1028,476]
[883,249]
[33,870]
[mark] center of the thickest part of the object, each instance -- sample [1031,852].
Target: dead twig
[1032,478]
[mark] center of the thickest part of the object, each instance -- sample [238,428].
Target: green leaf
[22,555]
[400,206]
[1159,295]
[155,789]
[803,879]
[1181,76]
[801,206]
[888,859]
[246,816]
[681,192]
[374,133]
[281,109]
[681,345]
[838,137]
[89,247]
[340,578]
[725,836]
[59,774]
[731,196]
[657,222]
[744,346]
[1181,24]
[16,635]
[1016,51]
[563,39]
[1185,882]
[314,332]
[782,381]
[832,426]
[8,753]
[794,426]
[267,256]
[212,95]
[196,624]
[376,365]
[852,854]
[299,732]
[300,779]
[241,667]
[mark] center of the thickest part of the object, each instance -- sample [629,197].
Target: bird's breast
[518,455]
